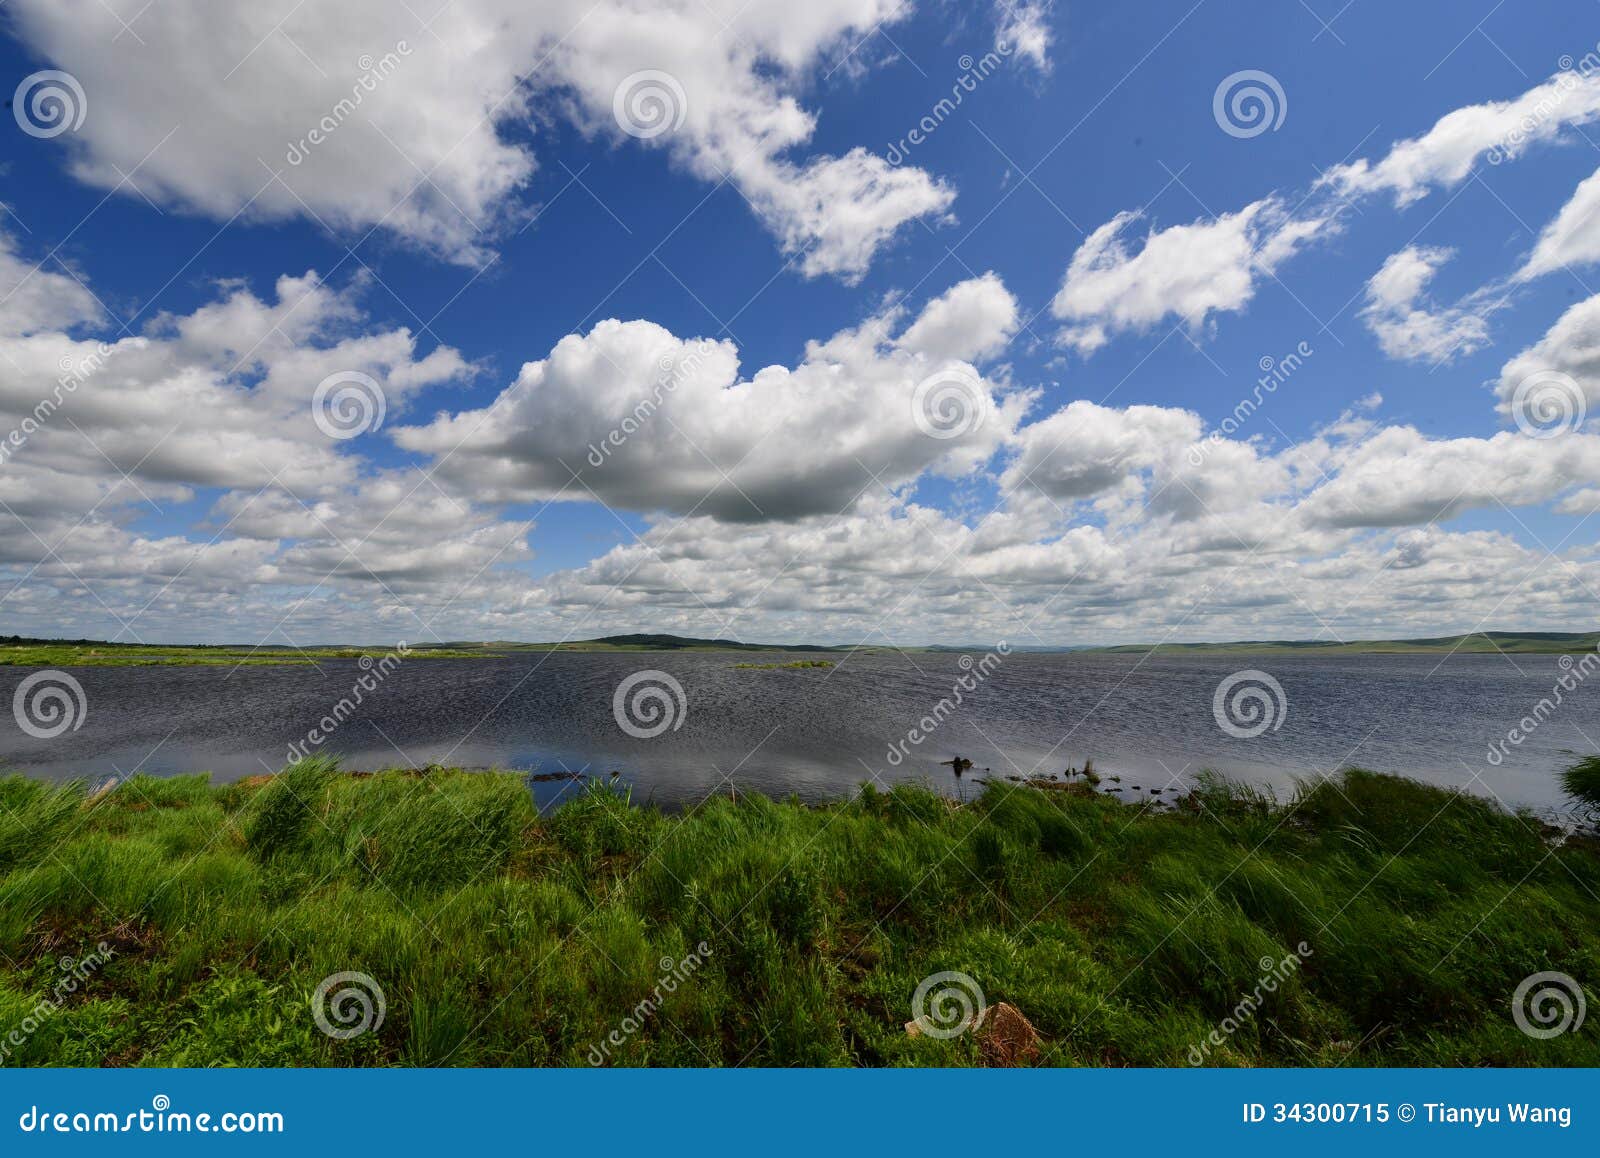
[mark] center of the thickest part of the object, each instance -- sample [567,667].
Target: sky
[853,321]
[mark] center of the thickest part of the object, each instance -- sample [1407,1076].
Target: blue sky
[1327,513]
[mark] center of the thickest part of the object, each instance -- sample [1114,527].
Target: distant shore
[17,652]
[436,918]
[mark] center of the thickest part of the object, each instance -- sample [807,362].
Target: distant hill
[1510,642]
[32,652]
[648,642]
[686,643]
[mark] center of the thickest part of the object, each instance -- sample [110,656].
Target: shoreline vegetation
[798,663]
[19,651]
[1367,920]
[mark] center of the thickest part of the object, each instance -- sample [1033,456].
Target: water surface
[818,733]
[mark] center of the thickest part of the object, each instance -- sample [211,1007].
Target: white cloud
[420,110]
[218,397]
[649,421]
[1192,272]
[1567,358]
[1446,153]
[970,321]
[1408,324]
[1400,477]
[1024,27]
[34,298]
[1084,449]
[1188,272]
[1573,238]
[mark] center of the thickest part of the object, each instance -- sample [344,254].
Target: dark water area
[818,733]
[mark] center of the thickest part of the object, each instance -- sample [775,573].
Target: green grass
[46,654]
[501,937]
[1581,781]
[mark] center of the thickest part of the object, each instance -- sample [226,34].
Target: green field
[19,652]
[90,653]
[1494,642]
[758,932]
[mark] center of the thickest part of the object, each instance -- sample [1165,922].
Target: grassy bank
[49,654]
[1125,936]
[1474,643]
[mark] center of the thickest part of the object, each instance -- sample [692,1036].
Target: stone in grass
[1005,1037]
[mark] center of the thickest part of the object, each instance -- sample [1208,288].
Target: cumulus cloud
[1566,361]
[1099,517]
[637,417]
[34,298]
[1408,324]
[970,321]
[380,115]
[220,398]
[1192,272]
[1400,477]
[1188,272]
[1084,449]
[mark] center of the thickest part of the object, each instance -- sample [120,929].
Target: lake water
[818,733]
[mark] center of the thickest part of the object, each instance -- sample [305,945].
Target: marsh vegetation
[1124,933]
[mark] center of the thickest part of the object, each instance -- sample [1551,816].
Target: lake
[818,733]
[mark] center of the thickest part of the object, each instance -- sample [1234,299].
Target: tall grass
[501,937]
[1581,781]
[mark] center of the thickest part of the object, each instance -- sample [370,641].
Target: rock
[1006,1038]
